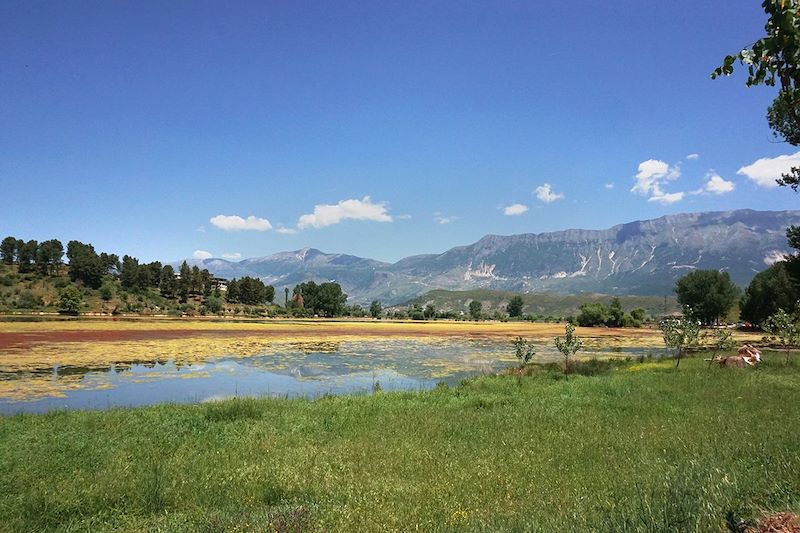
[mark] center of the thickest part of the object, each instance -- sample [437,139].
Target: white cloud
[693,157]
[201,229]
[716,184]
[202,254]
[235,256]
[514,209]
[665,199]
[545,194]
[286,231]
[237,223]
[766,170]
[441,219]
[652,175]
[328,215]
[609,186]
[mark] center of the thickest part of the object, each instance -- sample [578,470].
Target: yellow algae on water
[30,351]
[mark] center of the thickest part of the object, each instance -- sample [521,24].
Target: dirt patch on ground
[777,523]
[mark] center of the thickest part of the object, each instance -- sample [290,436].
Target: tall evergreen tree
[85,265]
[8,250]
[129,273]
[167,284]
[49,256]
[185,282]
[26,255]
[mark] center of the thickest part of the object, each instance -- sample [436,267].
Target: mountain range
[644,257]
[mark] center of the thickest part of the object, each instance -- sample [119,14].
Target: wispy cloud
[546,194]
[201,229]
[609,186]
[232,256]
[439,218]
[327,215]
[286,231]
[766,170]
[668,198]
[202,254]
[514,209]
[651,177]
[693,157]
[237,223]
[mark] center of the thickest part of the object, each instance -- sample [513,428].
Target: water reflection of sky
[288,369]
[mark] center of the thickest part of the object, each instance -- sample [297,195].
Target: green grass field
[642,447]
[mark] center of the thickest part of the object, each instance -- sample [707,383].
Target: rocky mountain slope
[642,257]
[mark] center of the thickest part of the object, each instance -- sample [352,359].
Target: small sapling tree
[782,326]
[524,351]
[680,334]
[568,346]
[720,341]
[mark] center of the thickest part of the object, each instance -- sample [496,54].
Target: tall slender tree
[8,250]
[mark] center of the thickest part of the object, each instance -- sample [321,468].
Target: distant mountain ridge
[641,257]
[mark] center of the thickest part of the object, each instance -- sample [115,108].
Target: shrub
[28,300]
[70,301]
[568,346]
[524,350]
[106,291]
[214,304]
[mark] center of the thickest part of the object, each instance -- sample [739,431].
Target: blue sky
[381,129]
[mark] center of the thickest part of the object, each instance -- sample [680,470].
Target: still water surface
[289,369]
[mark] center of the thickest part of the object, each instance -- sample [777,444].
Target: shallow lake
[279,369]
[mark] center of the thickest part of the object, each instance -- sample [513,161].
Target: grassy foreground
[642,448]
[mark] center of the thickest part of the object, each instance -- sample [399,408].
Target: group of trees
[324,299]
[598,314]
[249,291]
[31,256]
[89,270]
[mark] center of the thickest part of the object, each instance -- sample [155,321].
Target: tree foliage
[775,59]
[8,250]
[568,346]
[515,306]
[325,299]
[85,265]
[783,327]
[614,316]
[770,290]
[720,340]
[49,257]
[26,255]
[70,301]
[524,350]
[375,309]
[475,309]
[249,291]
[709,294]
[680,333]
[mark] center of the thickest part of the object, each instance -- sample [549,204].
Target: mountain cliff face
[642,257]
